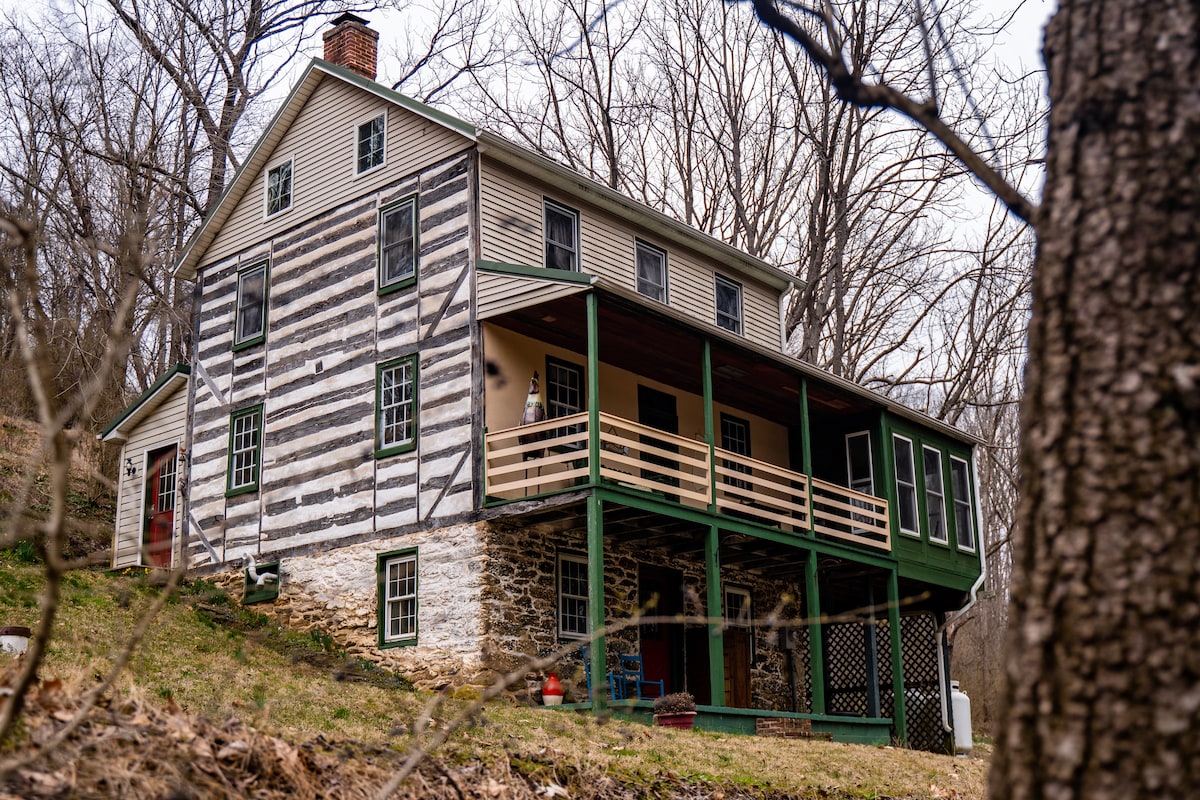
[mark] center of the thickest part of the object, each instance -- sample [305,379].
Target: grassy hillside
[219,703]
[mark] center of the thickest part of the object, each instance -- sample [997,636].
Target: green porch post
[806,450]
[716,616]
[595,551]
[593,399]
[900,710]
[816,645]
[709,435]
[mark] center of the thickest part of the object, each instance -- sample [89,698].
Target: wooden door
[662,644]
[161,484]
[737,667]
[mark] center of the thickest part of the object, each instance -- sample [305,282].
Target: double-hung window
[906,485]
[651,271]
[572,596]
[397,245]
[964,519]
[245,450]
[729,303]
[396,406]
[370,143]
[935,494]
[397,598]
[279,188]
[562,236]
[735,437]
[250,323]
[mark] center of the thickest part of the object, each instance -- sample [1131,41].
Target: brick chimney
[351,44]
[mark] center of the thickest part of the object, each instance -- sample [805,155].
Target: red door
[661,643]
[160,507]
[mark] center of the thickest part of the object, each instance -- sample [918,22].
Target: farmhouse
[377,290]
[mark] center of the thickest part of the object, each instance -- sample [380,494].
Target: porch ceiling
[635,338]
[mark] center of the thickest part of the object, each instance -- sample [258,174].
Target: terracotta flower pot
[684,720]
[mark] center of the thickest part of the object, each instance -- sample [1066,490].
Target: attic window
[370,143]
[279,188]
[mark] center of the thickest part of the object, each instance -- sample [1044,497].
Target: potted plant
[675,710]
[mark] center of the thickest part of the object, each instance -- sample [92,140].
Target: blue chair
[633,677]
[615,684]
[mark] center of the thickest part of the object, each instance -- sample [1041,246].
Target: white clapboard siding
[511,222]
[328,329]
[321,140]
[498,293]
[163,427]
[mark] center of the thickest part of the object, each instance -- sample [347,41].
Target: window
[737,606]
[906,486]
[572,596]
[397,578]
[245,445]
[279,188]
[735,437]
[935,495]
[729,304]
[964,520]
[397,245]
[370,143]
[395,406]
[250,324]
[165,464]
[859,473]
[651,271]
[562,237]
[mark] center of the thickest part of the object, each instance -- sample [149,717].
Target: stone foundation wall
[521,616]
[335,593]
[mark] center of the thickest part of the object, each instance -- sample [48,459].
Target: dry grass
[210,664]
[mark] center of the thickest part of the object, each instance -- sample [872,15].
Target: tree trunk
[1103,663]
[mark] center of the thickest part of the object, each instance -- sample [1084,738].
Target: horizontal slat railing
[552,455]
[764,492]
[849,515]
[641,457]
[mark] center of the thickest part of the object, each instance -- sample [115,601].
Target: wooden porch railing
[552,456]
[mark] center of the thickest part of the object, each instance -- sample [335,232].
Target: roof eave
[166,384]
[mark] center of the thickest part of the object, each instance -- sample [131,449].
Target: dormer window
[562,237]
[370,143]
[279,188]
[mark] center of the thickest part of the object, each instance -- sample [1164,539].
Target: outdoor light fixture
[130,469]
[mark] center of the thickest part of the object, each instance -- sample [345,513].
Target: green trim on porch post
[807,450]
[595,551]
[593,389]
[900,710]
[709,435]
[816,645]
[716,616]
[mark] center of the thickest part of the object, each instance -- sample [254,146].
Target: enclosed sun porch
[684,472]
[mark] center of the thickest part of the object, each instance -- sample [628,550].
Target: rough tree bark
[1103,662]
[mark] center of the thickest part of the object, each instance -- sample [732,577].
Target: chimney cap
[346,16]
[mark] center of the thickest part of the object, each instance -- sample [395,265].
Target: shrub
[675,703]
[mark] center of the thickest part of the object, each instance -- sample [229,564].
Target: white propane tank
[962,719]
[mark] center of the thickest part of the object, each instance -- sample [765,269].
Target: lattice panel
[803,656]
[845,669]
[922,690]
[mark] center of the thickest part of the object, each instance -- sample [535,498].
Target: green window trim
[243,468]
[397,577]
[248,309]
[397,260]
[394,412]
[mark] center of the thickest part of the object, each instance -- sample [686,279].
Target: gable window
[395,406]
[729,303]
[572,596]
[370,143]
[245,448]
[397,245]
[279,188]
[906,485]
[964,520]
[397,577]
[735,437]
[651,271]
[935,494]
[250,323]
[562,236]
